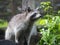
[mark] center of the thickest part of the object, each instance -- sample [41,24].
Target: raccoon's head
[34,15]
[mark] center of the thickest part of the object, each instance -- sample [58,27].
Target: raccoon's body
[19,28]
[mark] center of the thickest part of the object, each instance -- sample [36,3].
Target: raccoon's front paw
[16,41]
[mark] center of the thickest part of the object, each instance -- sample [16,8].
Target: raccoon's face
[35,15]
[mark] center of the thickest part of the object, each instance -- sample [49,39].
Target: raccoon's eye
[34,15]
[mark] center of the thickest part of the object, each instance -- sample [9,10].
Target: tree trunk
[13,7]
[28,3]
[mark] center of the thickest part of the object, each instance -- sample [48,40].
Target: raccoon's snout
[36,14]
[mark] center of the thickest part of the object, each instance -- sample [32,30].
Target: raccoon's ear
[38,8]
[28,9]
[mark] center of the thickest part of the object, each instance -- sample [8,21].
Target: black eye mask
[33,15]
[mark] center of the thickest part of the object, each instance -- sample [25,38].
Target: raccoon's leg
[9,34]
[19,37]
[16,36]
[33,37]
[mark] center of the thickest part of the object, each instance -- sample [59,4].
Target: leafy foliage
[3,23]
[51,26]
[51,31]
[46,7]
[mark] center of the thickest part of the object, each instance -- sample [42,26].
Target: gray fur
[20,27]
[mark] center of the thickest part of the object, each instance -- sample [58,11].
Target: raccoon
[19,27]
